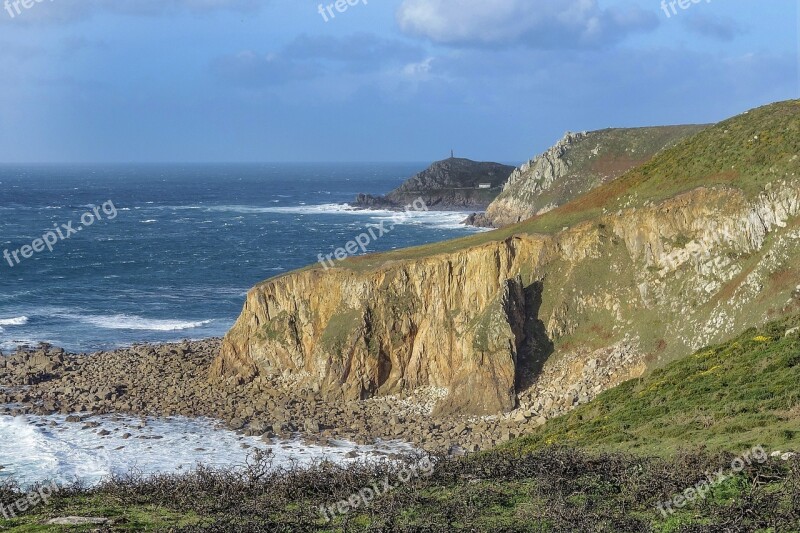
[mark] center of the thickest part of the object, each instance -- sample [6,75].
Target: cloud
[420,69]
[308,57]
[60,11]
[551,25]
[720,28]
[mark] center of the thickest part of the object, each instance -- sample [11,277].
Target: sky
[121,81]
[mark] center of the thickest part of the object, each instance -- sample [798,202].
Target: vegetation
[605,467]
[595,159]
[729,397]
[552,489]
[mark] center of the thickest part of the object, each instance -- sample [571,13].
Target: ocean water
[186,244]
[48,449]
[170,255]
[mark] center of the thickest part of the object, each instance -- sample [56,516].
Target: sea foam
[47,448]
[18,321]
[137,323]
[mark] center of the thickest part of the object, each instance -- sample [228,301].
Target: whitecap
[32,450]
[18,321]
[136,323]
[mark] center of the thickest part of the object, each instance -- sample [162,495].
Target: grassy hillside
[728,397]
[580,163]
[747,152]
[574,474]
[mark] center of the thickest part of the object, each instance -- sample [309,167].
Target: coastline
[153,380]
[169,380]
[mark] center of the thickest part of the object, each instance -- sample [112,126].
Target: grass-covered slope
[733,396]
[746,152]
[577,164]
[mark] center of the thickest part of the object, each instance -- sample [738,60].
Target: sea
[98,257]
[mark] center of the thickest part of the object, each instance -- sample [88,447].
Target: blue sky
[386,80]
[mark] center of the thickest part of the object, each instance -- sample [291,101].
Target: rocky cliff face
[491,322]
[699,243]
[578,163]
[453,322]
[449,184]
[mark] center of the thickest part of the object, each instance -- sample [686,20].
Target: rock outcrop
[451,184]
[578,163]
[546,314]
[470,321]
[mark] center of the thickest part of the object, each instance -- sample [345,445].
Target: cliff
[578,163]
[449,184]
[685,250]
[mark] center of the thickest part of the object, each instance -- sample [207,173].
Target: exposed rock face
[578,163]
[451,321]
[487,322]
[449,184]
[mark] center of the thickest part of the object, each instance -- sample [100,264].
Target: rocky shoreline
[150,380]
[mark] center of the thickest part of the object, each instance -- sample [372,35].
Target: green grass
[148,517]
[597,158]
[728,397]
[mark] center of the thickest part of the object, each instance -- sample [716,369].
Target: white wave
[288,210]
[149,221]
[11,345]
[433,219]
[133,322]
[18,321]
[32,450]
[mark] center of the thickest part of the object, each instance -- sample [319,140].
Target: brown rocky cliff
[663,279]
[452,322]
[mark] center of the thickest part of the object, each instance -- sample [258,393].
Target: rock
[78,521]
[245,353]
[449,184]
[531,188]
[236,424]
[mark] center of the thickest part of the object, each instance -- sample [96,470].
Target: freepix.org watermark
[701,488]
[27,502]
[376,231]
[362,498]
[60,233]
[328,12]
[15,7]
[670,7]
